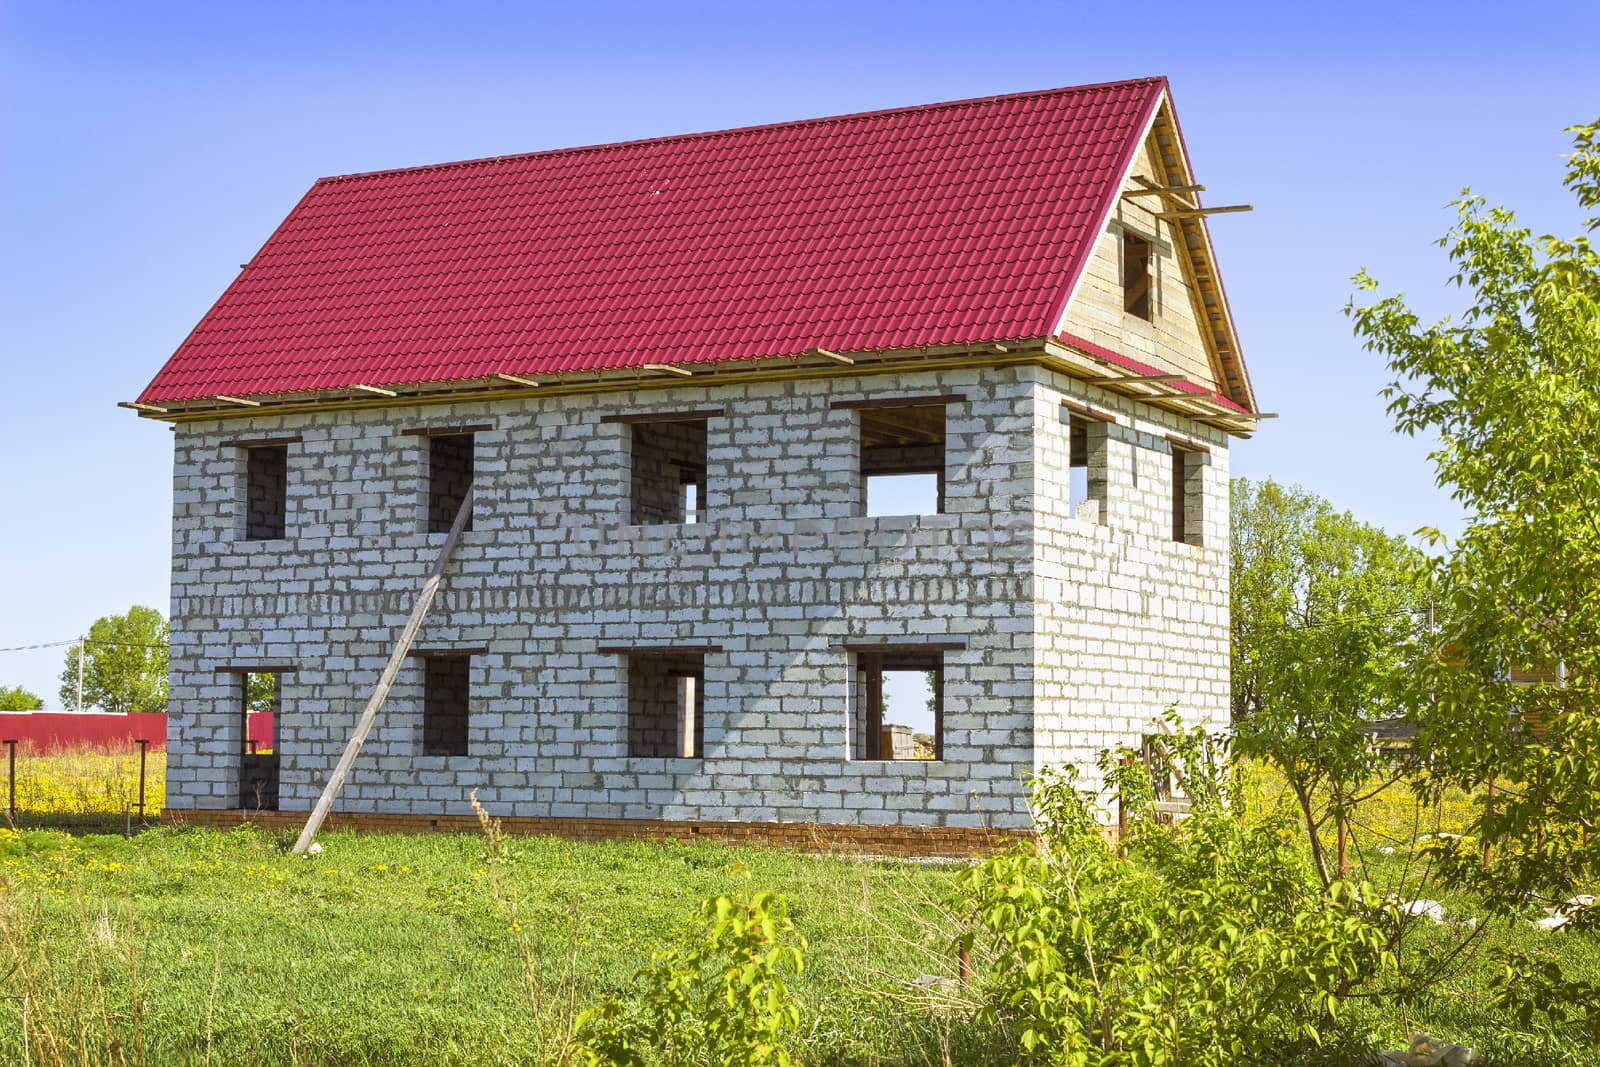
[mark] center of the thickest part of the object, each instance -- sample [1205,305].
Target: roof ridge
[854,116]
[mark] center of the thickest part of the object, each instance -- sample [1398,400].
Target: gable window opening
[266,492]
[1136,282]
[1188,497]
[450,470]
[446,709]
[899,710]
[668,472]
[903,459]
[666,705]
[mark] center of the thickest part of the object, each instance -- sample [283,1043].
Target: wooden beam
[1146,379]
[1197,212]
[667,368]
[446,431]
[514,379]
[266,442]
[901,401]
[836,357]
[442,651]
[259,668]
[665,416]
[656,650]
[374,390]
[900,644]
[134,405]
[1164,190]
[241,401]
[391,670]
[1188,444]
[1078,407]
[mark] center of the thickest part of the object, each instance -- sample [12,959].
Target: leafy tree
[1206,941]
[261,692]
[16,698]
[1511,388]
[1324,607]
[125,664]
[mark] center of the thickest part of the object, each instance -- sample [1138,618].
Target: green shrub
[716,998]
[1197,942]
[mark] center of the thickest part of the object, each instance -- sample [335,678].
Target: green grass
[392,950]
[198,946]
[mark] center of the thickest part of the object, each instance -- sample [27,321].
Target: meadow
[189,946]
[89,781]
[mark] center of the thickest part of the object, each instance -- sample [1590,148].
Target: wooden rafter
[1194,244]
[1200,212]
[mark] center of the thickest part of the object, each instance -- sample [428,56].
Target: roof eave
[1070,356]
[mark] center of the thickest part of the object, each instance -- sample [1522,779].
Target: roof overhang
[1067,355]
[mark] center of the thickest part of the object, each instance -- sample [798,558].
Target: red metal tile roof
[944,224]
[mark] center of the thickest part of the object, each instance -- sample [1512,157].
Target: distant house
[671,373]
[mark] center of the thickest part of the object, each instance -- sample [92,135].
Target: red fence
[44,732]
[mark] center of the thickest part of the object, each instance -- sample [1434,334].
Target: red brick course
[915,841]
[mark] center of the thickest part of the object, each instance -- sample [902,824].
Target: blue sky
[146,150]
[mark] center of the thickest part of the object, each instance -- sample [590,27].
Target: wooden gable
[1186,328]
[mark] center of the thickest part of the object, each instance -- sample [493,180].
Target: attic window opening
[668,472]
[446,689]
[1136,281]
[450,463]
[266,492]
[903,459]
[666,704]
[898,713]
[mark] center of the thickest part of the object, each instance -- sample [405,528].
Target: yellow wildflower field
[88,782]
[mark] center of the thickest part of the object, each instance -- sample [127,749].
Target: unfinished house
[815,482]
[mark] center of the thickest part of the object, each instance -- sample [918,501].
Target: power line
[47,644]
[87,641]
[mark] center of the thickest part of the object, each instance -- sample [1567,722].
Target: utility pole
[80,675]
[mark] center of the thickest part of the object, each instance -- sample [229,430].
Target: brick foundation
[917,841]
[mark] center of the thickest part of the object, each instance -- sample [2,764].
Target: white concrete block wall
[785,571]
[1078,633]
[1128,622]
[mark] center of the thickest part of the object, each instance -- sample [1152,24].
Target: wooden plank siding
[1171,339]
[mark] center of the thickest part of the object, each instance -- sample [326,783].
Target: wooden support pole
[11,805]
[391,670]
[143,744]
